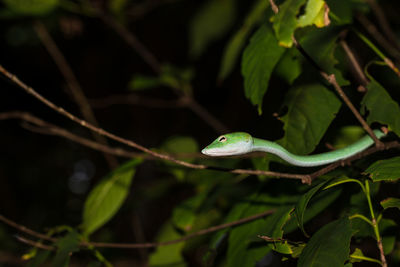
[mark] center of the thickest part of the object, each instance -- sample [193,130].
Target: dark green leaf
[244,248]
[381,107]
[329,246]
[238,40]
[385,170]
[341,10]
[276,222]
[31,7]
[388,230]
[141,82]
[168,255]
[289,67]
[285,22]
[212,21]
[321,45]
[39,258]
[348,135]
[311,109]
[184,215]
[65,247]
[391,203]
[302,204]
[107,197]
[258,62]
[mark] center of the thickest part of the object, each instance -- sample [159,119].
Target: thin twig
[135,99]
[274,7]
[73,85]
[384,24]
[155,65]
[331,78]
[26,229]
[145,245]
[60,110]
[357,68]
[34,244]
[376,34]
[132,41]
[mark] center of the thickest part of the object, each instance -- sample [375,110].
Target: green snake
[239,143]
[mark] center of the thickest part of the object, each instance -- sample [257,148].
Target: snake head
[230,144]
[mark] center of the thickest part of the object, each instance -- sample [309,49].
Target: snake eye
[222,139]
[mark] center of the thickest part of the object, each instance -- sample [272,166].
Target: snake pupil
[222,139]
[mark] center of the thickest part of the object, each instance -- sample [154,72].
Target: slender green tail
[317,159]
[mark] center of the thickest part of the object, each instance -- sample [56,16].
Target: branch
[137,245]
[34,244]
[331,78]
[72,83]
[357,68]
[381,17]
[60,110]
[155,65]
[376,34]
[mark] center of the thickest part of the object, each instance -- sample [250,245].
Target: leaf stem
[362,217]
[375,224]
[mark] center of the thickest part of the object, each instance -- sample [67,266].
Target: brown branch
[34,244]
[134,99]
[376,34]
[354,63]
[155,65]
[26,229]
[140,245]
[274,7]
[73,85]
[384,24]
[132,41]
[60,110]
[331,78]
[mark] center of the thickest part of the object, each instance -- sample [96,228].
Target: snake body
[239,143]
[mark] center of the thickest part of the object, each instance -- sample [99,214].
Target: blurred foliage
[330,223]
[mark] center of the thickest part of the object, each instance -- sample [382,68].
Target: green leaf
[107,197]
[391,203]
[302,205]
[31,7]
[348,135]
[180,144]
[289,67]
[184,215]
[141,82]
[244,248]
[321,45]
[311,109]
[329,246]
[385,170]
[381,107]
[342,10]
[212,21]
[238,40]
[275,229]
[314,14]
[358,256]
[39,258]
[168,255]
[285,22]
[389,230]
[258,62]
[65,247]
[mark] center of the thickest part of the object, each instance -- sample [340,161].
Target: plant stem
[375,224]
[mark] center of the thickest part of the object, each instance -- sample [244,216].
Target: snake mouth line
[210,152]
